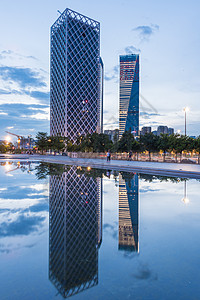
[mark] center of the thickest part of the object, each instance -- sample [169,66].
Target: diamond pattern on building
[76,76]
[74,231]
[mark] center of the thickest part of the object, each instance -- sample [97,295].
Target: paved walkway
[156,168]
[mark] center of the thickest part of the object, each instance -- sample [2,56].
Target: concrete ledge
[153,168]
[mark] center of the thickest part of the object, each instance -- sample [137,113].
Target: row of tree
[6,147]
[100,143]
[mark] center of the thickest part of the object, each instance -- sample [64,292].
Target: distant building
[129,94]
[164,130]
[170,131]
[145,130]
[76,76]
[112,134]
[154,132]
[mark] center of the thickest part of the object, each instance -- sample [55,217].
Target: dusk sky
[165,34]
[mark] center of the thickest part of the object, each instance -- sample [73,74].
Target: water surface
[94,234]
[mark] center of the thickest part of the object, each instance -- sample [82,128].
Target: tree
[164,144]
[42,141]
[150,143]
[57,143]
[2,147]
[126,142]
[178,143]
[197,147]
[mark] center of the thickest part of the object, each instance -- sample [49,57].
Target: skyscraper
[76,79]
[129,94]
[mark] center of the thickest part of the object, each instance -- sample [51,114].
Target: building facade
[145,130]
[76,76]
[113,134]
[129,94]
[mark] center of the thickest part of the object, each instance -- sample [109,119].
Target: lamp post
[185,110]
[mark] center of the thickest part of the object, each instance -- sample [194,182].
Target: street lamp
[185,110]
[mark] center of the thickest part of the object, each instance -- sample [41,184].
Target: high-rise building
[113,134]
[129,94]
[75,231]
[76,76]
[145,130]
[170,131]
[128,212]
[162,129]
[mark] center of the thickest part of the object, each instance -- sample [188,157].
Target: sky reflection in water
[92,234]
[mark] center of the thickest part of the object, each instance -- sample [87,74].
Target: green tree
[178,143]
[2,147]
[164,144]
[197,147]
[126,142]
[150,143]
[57,143]
[42,141]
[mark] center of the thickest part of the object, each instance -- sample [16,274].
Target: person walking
[130,155]
[108,155]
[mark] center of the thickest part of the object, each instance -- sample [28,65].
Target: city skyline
[168,82]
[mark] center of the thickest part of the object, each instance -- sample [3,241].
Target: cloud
[144,273]
[113,74]
[24,225]
[24,77]
[147,115]
[145,32]
[3,113]
[11,116]
[38,116]
[131,50]
[40,95]
[11,54]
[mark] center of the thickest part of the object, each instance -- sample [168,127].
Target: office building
[76,76]
[145,130]
[113,134]
[164,130]
[129,94]
[128,212]
[170,131]
[75,231]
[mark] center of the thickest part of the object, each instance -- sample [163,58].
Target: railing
[155,157]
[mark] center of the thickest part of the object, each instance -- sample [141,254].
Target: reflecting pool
[97,234]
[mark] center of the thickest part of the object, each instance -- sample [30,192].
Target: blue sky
[165,34]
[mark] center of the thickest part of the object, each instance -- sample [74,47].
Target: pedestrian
[108,155]
[130,155]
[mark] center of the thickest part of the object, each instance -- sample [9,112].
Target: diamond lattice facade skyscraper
[76,92]
[129,94]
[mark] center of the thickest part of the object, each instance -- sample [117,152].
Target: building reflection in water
[75,231]
[128,212]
